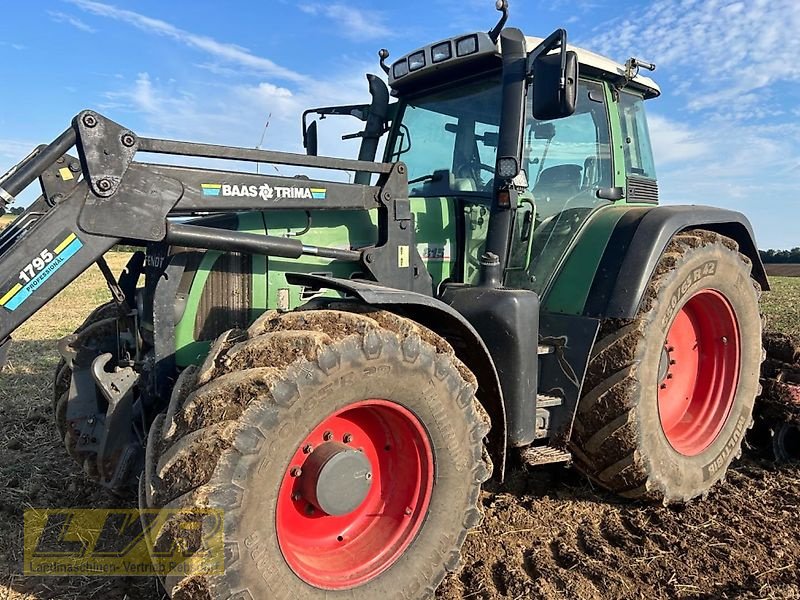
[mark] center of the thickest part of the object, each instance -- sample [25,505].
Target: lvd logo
[123,542]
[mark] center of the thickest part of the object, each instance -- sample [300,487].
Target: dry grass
[36,472]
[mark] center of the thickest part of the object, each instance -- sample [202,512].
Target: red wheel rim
[341,552]
[699,372]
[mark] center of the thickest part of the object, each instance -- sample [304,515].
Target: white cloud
[15,150]
[355,24]
[227,52]
[675,142]
[13,46]
[60,17]
[720,54]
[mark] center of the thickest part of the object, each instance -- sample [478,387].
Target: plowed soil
[547,532]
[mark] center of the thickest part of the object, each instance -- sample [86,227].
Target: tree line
[780,256]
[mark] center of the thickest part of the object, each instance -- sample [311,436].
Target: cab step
[535,456]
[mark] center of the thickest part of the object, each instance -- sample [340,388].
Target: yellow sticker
[66,174]
[67,241]
[403,258]
[10,294]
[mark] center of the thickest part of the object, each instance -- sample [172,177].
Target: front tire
[670,394]
[373,390]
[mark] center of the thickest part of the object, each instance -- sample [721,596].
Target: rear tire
[670,394]
[240,432]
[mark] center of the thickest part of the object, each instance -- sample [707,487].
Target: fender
[447,322]
[637,243]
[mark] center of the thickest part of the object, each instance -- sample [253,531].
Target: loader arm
[103,197]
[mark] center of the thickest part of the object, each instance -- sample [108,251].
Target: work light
[416,61]
[442,52]
[400,68]
[466,46]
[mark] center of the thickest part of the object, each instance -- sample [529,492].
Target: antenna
[261,143]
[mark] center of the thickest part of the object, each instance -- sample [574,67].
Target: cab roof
[605,65]
[416,69]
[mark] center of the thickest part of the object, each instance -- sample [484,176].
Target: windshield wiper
[435,176]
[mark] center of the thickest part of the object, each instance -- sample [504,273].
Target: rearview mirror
[311,141]
[555,90]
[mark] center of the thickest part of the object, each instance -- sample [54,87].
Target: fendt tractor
[340,365]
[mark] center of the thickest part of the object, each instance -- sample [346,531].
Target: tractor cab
[447,126]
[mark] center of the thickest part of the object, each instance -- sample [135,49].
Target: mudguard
[637,243]
[447,322]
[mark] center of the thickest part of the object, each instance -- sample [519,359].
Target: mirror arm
[557,39]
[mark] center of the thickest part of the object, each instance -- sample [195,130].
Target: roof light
[466,46]
[416,61]
[441,52]
[400,68]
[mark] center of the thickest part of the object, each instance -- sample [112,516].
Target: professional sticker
[40,269]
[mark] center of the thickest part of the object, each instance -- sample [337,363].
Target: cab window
[636,142]
[566,161]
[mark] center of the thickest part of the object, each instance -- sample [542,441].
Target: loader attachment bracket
[106,151]
[117,453]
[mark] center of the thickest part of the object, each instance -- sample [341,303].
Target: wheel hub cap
[336,479]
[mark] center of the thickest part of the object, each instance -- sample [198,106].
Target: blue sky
[725,130]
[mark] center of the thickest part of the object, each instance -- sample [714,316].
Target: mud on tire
[235,425]
[619,439]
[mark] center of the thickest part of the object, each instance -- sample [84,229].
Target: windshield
[448,139]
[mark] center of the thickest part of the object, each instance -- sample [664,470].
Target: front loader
[339,367]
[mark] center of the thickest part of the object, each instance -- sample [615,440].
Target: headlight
[400,68]
[416,61]
[441,52]
[466,46]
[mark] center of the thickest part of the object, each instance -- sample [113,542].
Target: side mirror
[555,89]
[311,139]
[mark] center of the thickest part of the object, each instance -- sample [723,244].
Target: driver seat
[558,183]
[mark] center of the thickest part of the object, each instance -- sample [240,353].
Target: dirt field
[547,533]
[780,270]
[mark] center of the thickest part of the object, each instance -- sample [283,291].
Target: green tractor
[340,366]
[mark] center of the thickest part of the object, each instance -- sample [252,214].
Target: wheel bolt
[368,476]
[672,362]
[296,496]
[308,449]
[296,472]
[309,510]
[327,436]
[670,349]
[663,386]
[347,438]
[724,339]
[408,511]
